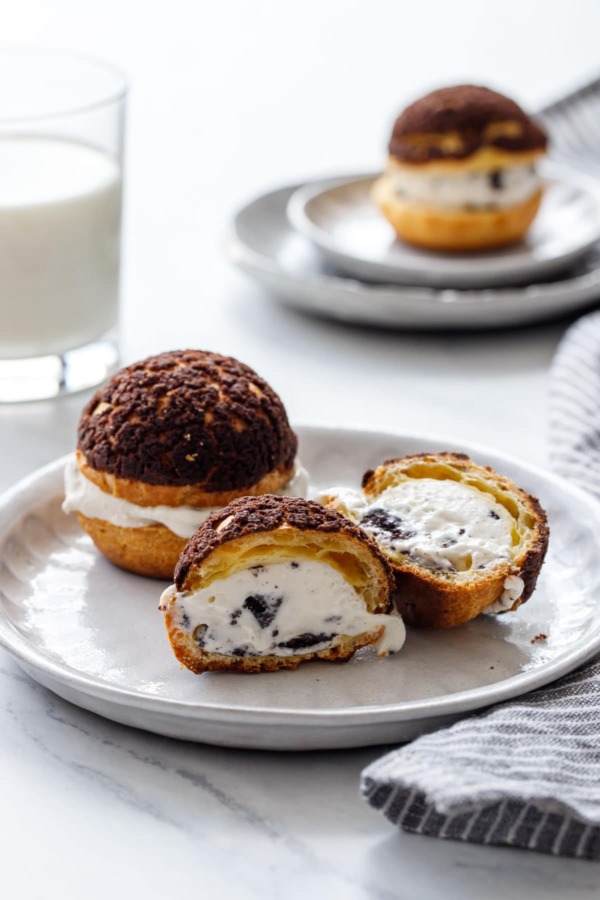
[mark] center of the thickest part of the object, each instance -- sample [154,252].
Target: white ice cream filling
[85,497]
[280,609]
[443,525]
[513,588]
[467,190]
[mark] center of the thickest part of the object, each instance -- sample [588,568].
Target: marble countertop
[95,797]
[93,809]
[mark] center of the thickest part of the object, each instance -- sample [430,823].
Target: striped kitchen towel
[575,405]
[525,773]
[573,123]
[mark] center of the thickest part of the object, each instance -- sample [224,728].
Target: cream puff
[461,171]
[460,538]
[165,443]
[270,582]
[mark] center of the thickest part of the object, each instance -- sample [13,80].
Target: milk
[60,211]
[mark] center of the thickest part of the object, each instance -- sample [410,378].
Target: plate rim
[471,277]
[259,265]
[456,703]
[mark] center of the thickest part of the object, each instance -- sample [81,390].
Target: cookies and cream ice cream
[441,524]
[466,190]
[280,609]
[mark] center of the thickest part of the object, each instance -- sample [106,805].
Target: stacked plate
[324,247]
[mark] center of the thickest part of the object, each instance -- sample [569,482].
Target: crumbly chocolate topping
[268,512]
[187,417]
[469,111]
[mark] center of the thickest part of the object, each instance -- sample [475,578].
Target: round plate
[93,634]
[340,218]
[263,244]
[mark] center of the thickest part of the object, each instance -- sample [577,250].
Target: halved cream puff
[460,538]
[270,582]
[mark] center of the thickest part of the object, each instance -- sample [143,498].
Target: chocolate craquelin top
[477,116]
[187,417]
[268,512]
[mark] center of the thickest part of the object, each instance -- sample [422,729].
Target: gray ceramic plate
[263,244]
[340,218]
[93,634]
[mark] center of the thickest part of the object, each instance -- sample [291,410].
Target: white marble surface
[228,101]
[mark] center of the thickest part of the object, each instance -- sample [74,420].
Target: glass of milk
[61,148]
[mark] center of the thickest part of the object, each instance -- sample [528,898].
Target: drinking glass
[62,119]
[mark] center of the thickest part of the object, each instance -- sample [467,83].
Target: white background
[230,98]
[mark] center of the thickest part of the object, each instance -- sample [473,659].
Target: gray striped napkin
[526,773]
[573,123]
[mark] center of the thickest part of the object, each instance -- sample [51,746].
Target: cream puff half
[460,538]
[271,582]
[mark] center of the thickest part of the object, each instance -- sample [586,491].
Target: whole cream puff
[461,171]
[168,441]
